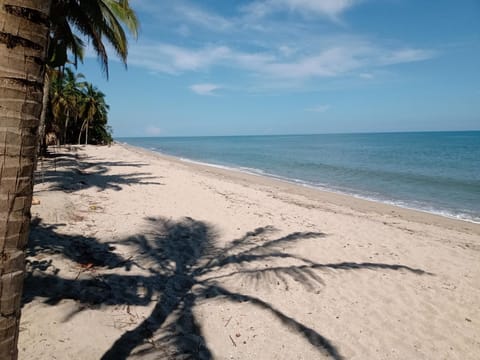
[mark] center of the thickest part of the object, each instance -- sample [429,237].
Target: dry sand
[139,255]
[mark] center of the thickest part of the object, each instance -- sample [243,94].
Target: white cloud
[331,62]
[286,50]
[153,130]
[201,17]
[406,55]
[318,108]
[204,89]
[366,76]
[329,8]
[266,46]
[281,53]
[174,59]
[346,56]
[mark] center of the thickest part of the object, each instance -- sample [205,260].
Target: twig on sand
[122,262]
[233,342]
[228,321]
[85,267]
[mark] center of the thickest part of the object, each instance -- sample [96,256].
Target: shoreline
[167,259]
[419,178]
[346,199]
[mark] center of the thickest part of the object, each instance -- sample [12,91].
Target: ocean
[437,172]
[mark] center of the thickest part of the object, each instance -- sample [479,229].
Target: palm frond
[312,336]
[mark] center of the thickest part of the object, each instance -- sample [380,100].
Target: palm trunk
[41,147]
[23,39]
[80,133]
[65,130]
[86,134]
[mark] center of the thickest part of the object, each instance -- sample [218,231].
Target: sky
[258,67]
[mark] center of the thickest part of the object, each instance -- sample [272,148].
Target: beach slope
[139,255]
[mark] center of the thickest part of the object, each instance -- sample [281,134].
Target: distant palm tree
[93,109]
[76,107]
[73,94]
[65,99]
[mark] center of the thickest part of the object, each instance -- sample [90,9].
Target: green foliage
[98,22]
[77,110]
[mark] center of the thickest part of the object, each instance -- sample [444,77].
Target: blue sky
[216,67]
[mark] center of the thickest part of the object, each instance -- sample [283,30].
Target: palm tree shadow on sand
[182,267]
[186,257]
[72,171]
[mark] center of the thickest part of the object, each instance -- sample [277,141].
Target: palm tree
[57,103]
[23,43]
[66,94]
[93,110]
[76,107]
[24,35]
[98,21]
[61,41]
[72,94]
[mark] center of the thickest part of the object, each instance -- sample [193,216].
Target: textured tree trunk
[23,38]
[66,126]
[80,133]
[86,133]
[41,146]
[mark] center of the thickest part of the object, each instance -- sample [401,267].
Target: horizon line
[305,134]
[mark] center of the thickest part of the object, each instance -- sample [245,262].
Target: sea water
[437,172]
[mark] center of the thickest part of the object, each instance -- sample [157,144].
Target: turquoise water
[437,172]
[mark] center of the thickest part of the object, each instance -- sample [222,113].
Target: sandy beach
[143,256]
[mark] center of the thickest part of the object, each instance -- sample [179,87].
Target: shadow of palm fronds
[65,172]
[182,266]
[186,255]
[45,239]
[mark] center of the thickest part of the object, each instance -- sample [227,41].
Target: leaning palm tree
[23,43]
[93,109]
[72,93]
[66,94]
[24,35]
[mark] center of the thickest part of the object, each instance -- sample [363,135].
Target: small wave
[218,166]
[465,216]
[252,170]
[452,214]
[381,177]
